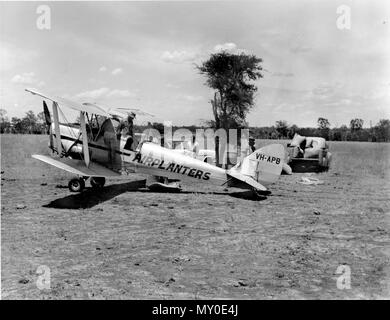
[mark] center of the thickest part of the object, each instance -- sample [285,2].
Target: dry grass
[125,242]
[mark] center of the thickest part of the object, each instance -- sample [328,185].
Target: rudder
[263,165]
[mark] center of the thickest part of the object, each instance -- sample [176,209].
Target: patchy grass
[126,242]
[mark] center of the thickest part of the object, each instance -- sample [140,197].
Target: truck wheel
[97,182]
[321,157]
[76,185]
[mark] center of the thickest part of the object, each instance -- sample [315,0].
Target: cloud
[326,90]
[283,74]
[93,94]
[104,93]
[12,56]
[27,78]
[179,56]
[120,94]
[116,71]
[172,86]
[191,98]
[299,48]
[228,47]
[339,103]
[337,98]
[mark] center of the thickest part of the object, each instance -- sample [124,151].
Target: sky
[143,55]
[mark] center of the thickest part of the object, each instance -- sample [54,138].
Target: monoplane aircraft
[89,151]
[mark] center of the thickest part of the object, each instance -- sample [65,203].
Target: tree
[16,125]
[339,134]
[323,127]
[282,128]
[42,127]
[3,115]
[231,76]
[323,123]
[158,126]
[356,124]
[41,117]
[4,122]
[292,130]
[382,130]
[29,122]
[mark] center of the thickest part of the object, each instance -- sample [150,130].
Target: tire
[76,185]
[97,182]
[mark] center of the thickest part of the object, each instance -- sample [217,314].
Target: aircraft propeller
[46,112]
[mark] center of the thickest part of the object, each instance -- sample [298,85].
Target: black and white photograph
[195,151]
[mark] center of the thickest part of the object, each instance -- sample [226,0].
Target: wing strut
[57,128]
[85,138]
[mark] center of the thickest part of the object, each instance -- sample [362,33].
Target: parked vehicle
[308,154]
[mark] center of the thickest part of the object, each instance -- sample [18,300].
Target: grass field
[128,243]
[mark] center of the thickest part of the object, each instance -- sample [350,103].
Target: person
[110,141]
[167,144]
[297,146]
[195,145]
[183,143]
[130,124]
[302,148]
[252,143]
[126,128]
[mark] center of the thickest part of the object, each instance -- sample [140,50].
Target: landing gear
[97,182]
[76,184]
[256,194]
[162,184]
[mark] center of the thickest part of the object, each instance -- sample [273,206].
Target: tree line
[354,132]
[282,130]
[29,124]
[35,124]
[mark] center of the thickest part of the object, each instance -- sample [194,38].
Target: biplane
[85,150]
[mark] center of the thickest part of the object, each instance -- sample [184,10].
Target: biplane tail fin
[264,166]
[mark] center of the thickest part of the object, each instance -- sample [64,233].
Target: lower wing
[78,166]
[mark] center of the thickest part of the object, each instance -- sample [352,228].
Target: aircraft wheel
[97,182]
[76,185]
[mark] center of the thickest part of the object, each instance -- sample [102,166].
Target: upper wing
[136,111]
[71,104]
[119,112]
[78,167]
[111,112]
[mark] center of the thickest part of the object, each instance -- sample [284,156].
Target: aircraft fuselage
[149,158]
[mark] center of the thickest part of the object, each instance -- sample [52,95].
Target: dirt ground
[125,242]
